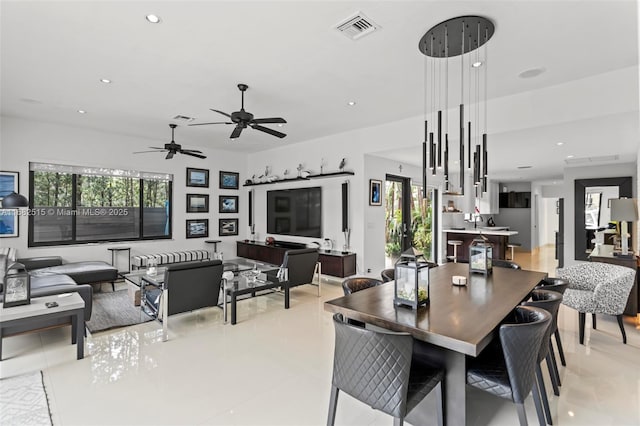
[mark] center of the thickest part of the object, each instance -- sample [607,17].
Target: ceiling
[297,66]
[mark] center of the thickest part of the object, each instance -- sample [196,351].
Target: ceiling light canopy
[456,42]
[105,80]
[81,111]
[351,103]
[154,19]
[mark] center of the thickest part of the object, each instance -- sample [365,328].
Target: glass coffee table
[249,278]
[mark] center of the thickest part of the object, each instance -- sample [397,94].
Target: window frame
[73,240]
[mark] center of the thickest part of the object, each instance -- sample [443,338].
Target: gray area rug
[114,309]
[23,401]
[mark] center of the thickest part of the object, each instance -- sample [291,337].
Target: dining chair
[558,285]
[508,369]
[597,288]
[501,263]
[388,275]
[550,302]
[380,370]
[355,284]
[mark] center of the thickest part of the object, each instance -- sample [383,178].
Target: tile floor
[274,368]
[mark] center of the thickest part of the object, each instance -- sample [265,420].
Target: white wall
[22,141]
[548,221]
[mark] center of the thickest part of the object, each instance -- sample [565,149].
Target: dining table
[458,322]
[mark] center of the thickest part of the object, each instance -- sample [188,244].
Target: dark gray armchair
[301,266]
[186,287]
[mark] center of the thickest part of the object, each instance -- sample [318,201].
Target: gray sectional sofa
[50,277]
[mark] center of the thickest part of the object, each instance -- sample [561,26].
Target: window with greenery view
[73,205]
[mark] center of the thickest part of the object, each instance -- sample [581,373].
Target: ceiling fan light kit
[243,119]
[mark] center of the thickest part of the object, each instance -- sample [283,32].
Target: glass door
[408,219]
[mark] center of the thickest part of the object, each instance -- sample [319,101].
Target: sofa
[45,284]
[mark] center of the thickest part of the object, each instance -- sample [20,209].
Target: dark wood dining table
[459,321]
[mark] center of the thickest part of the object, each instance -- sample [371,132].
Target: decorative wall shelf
[321,176]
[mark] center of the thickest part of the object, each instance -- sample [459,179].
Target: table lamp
[624,210]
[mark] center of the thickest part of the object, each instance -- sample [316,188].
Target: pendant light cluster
[461,37]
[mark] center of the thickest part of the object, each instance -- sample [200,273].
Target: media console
[334,263]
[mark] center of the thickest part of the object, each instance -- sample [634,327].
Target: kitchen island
[498,236]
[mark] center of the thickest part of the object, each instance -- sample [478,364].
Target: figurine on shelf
[299,169]
[322,163]
[342,164]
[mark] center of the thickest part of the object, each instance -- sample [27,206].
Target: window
[72,205]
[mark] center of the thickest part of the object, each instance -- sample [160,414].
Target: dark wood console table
[632,303]
[334,263]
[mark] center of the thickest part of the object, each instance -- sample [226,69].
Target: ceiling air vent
[183,118]
[357,26]
[591,160]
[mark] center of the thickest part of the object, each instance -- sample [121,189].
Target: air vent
[357,26]
[524,167]
[591,160]
[183,118]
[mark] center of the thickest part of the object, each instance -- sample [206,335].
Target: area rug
[113,309]
[23,401]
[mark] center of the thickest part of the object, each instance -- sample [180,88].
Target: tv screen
[295,212]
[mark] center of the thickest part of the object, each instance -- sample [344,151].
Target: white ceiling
[54,53]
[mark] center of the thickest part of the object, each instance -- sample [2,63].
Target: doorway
[409,219]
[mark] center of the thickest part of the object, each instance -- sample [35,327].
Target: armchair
[191,286]
[597,288]
[301,266]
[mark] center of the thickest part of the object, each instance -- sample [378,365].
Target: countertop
[486,231]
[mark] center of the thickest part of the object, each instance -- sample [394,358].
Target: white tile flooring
[274,368]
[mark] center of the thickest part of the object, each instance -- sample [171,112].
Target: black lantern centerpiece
[411,286]
[480,255]
[17,286]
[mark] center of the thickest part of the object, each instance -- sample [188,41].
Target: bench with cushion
[141,261]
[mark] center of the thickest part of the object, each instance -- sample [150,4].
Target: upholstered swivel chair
[550,302]
[352,285]
[598,288]
[508,370]
[379,369]
[500,263]
[302,265]
[558,285]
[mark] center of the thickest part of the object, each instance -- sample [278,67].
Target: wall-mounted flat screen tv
[295,212]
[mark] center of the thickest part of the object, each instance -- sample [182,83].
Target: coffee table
[36,313]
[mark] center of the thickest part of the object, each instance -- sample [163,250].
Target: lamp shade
[14,201]
[624,209]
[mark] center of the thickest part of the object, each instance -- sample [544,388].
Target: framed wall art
[198,178]
[229,180]
[227,227]
[197,203]
[375,192]
[228,204]
[197,228]
[8,223]
[8,183]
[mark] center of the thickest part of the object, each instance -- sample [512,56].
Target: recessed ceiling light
[154,19]
[351,103]
[81,111]
[531,73]
[476,64]
[105,80]
[569,156]
[559,143]
[280,125]
[554,182]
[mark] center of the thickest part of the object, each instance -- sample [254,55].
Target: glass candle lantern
[411,286]
[480,255]
[17,286]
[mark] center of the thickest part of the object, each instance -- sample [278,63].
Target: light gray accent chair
[597,288]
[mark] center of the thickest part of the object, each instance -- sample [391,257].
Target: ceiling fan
[242,119]
[174,148]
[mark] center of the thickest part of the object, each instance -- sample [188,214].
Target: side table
[36,314]
[215,246]
[114,253]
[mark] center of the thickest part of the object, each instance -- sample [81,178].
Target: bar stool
[455,244]
[512,246]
